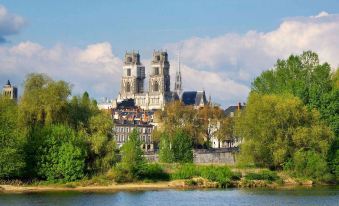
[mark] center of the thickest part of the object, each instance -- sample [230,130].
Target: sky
[224,44]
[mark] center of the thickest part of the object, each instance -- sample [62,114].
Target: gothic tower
[133,76]
[10,91]
[159,82]
[178,81]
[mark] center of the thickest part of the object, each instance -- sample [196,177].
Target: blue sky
[147,25]
[98,27]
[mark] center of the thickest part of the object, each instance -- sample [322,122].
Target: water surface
[257,197]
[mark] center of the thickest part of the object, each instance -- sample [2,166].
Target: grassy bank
[168,176]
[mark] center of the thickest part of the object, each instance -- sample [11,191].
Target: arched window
[156,87]
[129,59]
[128,87]
[156,70]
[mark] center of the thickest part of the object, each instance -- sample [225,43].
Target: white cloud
[236,59]
[9,23]
[94,68]
[224,66]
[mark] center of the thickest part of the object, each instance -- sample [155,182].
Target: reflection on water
[258,197]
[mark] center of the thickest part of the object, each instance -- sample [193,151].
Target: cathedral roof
[195,98]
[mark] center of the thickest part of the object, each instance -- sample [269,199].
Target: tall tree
[44,101]
[132,160]
[274,127]
[11,140]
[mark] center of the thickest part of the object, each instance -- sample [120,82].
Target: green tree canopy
[132,160]
[11,140]
[178,148]
[43,101]
[274,127]
[59,153]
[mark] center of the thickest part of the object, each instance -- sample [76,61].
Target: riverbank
[196,183]
[176,184]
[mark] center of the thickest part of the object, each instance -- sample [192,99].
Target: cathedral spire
[178,80]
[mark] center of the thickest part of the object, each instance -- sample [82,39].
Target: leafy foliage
[11,140]
[177,148]
[60,156]
[43,100]
[275,127]
[286,129]
[221,174]
[262,175]
[132,160]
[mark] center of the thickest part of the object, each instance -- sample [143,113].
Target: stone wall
[215,156]
[202,156]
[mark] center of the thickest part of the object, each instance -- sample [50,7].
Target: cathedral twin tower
[159,92]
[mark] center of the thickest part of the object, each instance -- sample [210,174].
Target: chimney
[239,106]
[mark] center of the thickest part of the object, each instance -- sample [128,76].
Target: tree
[274,127]
[182,147]
[195,122]
[166,153]
[207,115]
[177,147]
[303,76]
[60,154]
[101,145]
[132,160]
[44,101]
[11,140]
[226,130]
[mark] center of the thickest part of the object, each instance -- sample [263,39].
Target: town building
[232,110]
[134,107]
[214,126]
[127,117]
[10,91]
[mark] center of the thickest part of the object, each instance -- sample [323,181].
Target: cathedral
[159,92]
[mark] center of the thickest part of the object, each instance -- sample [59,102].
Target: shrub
[262,175]
[185,171]
[153,172]
[309,164]
[121,175]
[221,174]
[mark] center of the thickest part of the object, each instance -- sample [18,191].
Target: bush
[262,175]
[121,175]
[221,174]
[309,164]
[185,171]
[60,155]
[153,172]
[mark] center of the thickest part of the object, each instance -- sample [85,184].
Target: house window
[128,72]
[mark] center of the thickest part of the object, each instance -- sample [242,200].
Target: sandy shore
[93,188]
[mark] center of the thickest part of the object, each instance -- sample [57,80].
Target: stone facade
[211,156]
[122,132]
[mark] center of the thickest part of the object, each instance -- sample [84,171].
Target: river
[257,197]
